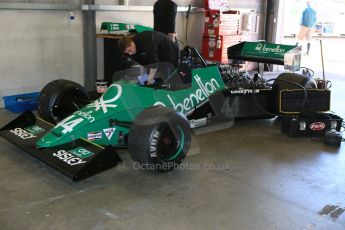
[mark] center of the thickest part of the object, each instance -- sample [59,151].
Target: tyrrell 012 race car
[151,111]
[153,120]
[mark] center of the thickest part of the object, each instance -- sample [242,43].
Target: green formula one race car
[152,120]
[151,111]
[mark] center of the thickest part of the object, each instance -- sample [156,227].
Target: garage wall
[38,46]
[195,23]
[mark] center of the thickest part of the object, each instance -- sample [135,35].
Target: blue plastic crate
[21,102]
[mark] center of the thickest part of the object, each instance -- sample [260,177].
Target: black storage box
[310,125]
[297,100]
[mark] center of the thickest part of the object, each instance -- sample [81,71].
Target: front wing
[78,160]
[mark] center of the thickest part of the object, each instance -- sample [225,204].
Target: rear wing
[263,52]
[78,160]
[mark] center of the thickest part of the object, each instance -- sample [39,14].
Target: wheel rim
[170,146]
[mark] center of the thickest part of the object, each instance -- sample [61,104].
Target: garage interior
[250,176]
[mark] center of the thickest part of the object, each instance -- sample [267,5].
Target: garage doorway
[329,30]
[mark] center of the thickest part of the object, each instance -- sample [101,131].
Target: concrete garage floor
[248,177]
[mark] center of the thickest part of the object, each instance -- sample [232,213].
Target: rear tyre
[291,81]
[159,139]
[287,80]
[60,98]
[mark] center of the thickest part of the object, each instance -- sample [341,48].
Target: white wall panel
[37,47]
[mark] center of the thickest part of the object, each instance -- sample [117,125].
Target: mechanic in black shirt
[164,16]
[149,47]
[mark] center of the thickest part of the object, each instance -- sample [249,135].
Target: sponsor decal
[109,132]
[317,126]
[68,158]
[154,144]
[197,122]
[262,47]
[81,152]
[244,91]
[34,129]
[115,26]
[201,94]
[22,133]
[105,104]
[86,115]
[94,136]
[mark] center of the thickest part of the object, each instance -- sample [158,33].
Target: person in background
[164,21]
[164,17]
[307,22]
[149,47]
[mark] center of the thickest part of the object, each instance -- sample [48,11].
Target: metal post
[323,67]
[90,49]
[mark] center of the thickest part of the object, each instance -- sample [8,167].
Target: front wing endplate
[78,160]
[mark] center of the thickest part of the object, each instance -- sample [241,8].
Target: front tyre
[159,139]
[60,98]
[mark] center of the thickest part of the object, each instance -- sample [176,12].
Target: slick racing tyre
[60,98]
[159,139]
[292,82]
[287,80]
